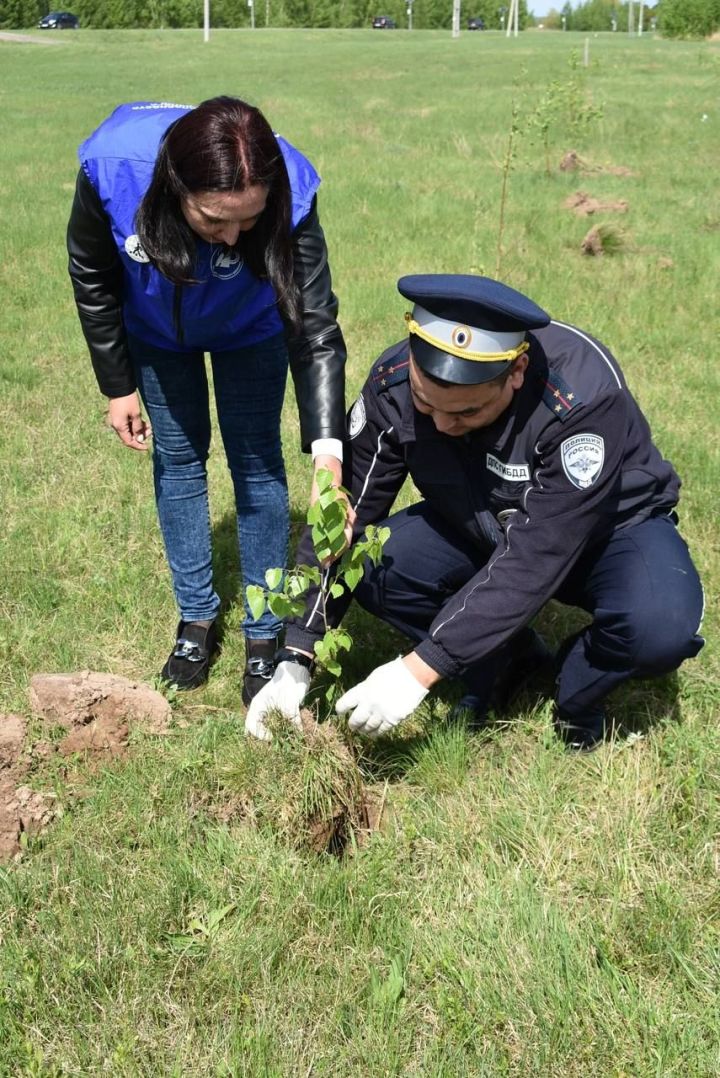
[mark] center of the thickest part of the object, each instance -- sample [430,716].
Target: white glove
[382,700]
[284,693]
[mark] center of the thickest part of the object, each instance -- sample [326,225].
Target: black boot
[259,666]
[581,733]
[189,662]
[526,656]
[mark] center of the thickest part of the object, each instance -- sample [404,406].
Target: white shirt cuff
[331,447]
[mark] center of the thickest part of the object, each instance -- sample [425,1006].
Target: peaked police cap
[467,329]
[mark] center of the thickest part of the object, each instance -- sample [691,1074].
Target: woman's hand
[125,419]
[333,465]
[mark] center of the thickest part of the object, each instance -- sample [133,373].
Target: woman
[196,230]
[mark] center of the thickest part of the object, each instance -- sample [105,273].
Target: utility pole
[206,20]
[251,5]
[456,19]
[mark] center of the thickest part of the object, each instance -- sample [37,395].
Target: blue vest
[229,307]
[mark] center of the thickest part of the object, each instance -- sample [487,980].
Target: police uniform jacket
[569,461]
[118,291]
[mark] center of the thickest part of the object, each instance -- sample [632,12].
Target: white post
[251,5]
[409,13]
[206,20]
[640,18]
[456,18]
[267,12]
[517,16]
[631,19]
[512,16]
[586,53]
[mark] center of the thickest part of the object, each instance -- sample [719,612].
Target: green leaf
[324,479]
[273,578]
[256,600]
[216,916]
[336,589]
[296,585]
[328,499]
[280,605]
[353,578]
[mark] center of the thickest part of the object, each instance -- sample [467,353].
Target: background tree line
[674,18]
[340,14]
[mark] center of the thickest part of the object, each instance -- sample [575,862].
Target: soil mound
[97,711]
[584,204]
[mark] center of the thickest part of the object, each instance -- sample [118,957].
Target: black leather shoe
[581,733]
[259,666]
[189,662]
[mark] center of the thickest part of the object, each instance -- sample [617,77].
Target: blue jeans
[249,386]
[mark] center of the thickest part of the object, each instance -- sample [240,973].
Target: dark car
[59,20]
[384,22]
[476,24]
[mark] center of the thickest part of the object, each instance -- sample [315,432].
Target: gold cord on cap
[462,353]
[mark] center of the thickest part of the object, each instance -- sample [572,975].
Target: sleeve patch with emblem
[357,419]
[582,459]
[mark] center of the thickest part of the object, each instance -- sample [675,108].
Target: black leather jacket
[317,353]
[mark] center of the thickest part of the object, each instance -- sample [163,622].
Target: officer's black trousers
[640,586]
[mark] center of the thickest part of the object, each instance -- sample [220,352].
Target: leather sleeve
[97,279]
[317,353]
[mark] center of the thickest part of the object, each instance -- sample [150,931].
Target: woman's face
[220,216]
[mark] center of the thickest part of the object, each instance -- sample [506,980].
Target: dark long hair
[222,145]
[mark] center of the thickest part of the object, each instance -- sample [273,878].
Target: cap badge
[461,337]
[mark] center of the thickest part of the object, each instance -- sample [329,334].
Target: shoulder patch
[557,394]
[357,418]
[388,373]
[582,457]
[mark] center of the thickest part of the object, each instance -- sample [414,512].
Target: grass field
[520,912]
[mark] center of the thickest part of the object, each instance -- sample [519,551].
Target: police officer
[539,479]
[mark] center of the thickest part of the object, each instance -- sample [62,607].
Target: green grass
[521,912]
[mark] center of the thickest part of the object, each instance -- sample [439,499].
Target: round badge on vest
[225,264]
[135,249]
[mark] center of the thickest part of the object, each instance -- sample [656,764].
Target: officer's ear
[517,372]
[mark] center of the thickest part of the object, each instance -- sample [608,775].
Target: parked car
[384,22]
[59,20]
[476,24]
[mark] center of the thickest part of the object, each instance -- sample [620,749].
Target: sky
[542,7]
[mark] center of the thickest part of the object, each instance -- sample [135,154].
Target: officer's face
[220,216]
[456,410]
